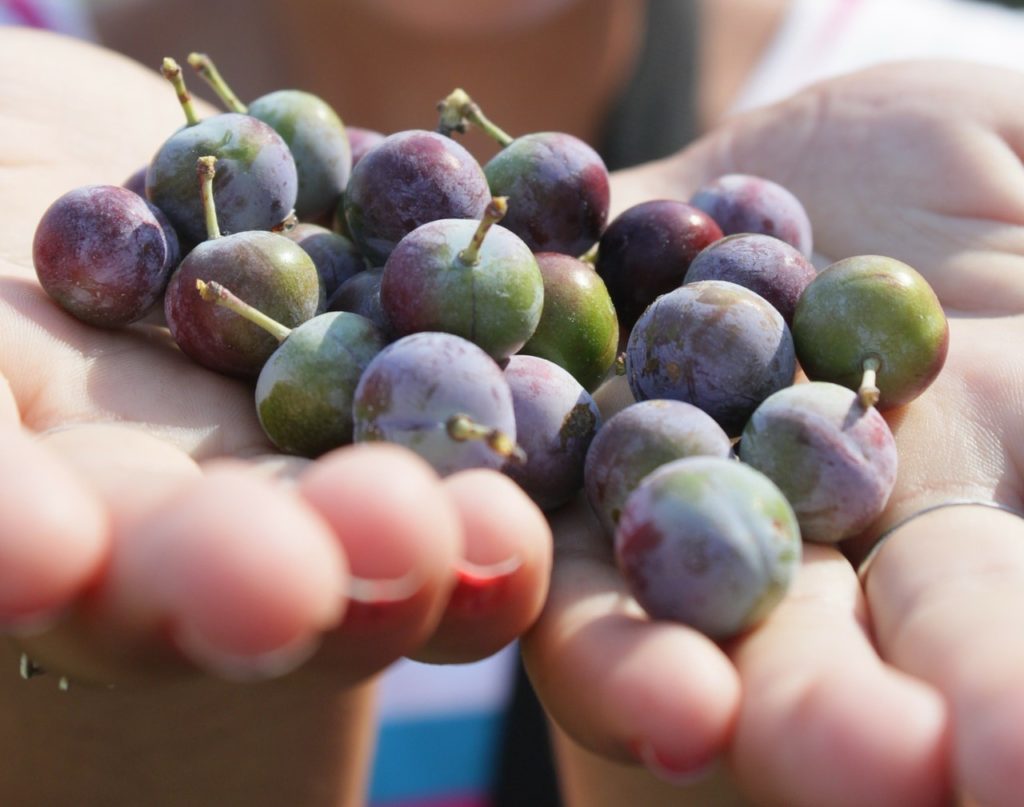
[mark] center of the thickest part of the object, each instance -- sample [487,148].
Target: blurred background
[637,79]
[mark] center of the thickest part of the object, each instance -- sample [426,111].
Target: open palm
[171,547]
[908,688]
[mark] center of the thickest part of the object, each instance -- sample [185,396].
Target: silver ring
[862,569]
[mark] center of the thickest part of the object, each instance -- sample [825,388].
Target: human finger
[502,574]
[403,537]
[618,683]
[223,568]
[811,675]
[54,533]
[946,592]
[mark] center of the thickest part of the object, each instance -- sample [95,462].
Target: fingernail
[678,772]
[479,586]
[477,574]
[243,667]
[370,591]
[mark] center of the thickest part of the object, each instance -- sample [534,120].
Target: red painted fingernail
[479,586]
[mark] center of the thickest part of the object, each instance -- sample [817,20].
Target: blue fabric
[431,757]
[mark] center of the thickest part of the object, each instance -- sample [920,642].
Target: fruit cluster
[391,288]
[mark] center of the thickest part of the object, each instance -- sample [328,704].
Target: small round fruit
[833,458]
[717,345]
[103,255]
[360,294]
[305,390]
[266,270]
[556,419]
[578,327]
[647,250]
[872,308]
[362,140]
[742,203]
[636,440]
[777,271]
[256,183]
[558,191]
[419,388]
[408,179]
[708,542]
[335,256]
[474,279]
[318,142]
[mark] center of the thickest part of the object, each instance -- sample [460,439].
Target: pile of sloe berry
[378,287]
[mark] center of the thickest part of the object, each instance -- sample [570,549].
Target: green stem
[462,427]
[172,72]
[458,110]
[214,292]
[208,71]
[205,168]
[590,256]
[493,213]
[868,391]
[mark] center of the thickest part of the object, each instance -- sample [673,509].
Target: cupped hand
[170,548]
[907,689]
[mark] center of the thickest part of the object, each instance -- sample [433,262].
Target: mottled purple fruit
[557,185]
[136,182]
[556,419]
[833,458]
[715,344]
[103,255]
[266,270]
[313,131]
[334,255]
[362,140]
[578,327]
[263,268]
[708,542]
[636,440]
[418,388]
[318,141]
[872,308]
[360,294]
[558,191]
[647,250]
[474,279]
[409,179]
[742,203]
[305,390]
[256,181]
[776,270]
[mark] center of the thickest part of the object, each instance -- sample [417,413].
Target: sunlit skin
[915,677]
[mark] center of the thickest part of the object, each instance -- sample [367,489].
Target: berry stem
[868,391]
[214,292]
[458,110]
[172,72]
[205,168]
[619,365]
[590,256]
[493,213]
[462,427]
[208,71]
